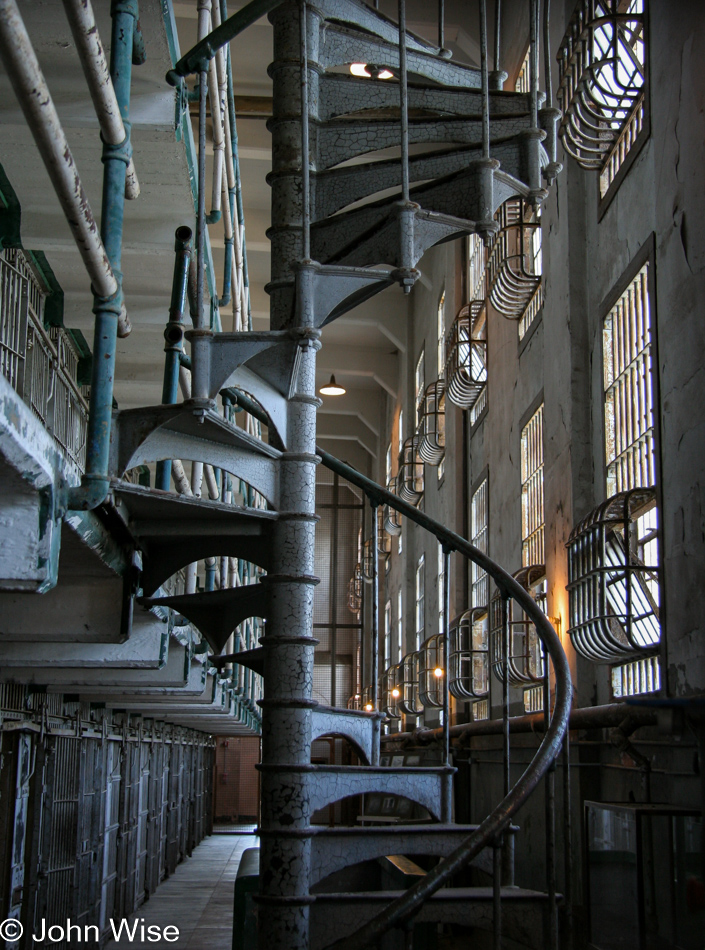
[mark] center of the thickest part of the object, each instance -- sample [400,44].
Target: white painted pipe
[181,482]
[95,68]
[196,478]
[22,66]
[211,483]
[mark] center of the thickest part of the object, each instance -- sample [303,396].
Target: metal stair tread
[174,530]
[193,421]
[143,504]
[385,52]
[386,96]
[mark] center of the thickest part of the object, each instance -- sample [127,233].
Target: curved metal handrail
[405,907]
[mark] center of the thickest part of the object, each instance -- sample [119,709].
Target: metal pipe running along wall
[33,94]
[90,49]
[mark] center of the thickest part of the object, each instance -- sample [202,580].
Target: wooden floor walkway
[197,898]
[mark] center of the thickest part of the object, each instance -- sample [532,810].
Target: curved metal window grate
[602,71]
[410,703]
[410,472]
[431,672]
[525,661]
[384,541]
[367,561]
[466,363]
[469,656]
[613,578]
[392,690]
[392,518]
[515,263]
[355,590]
[432,423]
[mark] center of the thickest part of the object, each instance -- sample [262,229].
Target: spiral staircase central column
[285,858]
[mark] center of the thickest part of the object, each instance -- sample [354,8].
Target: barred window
[523,83]
[441,581]
[400,627]
[419,614]
[476,268]
[387,633]
[602,67]
[532,512]
[441,333]
[480,533]
[420,385]
[629,398]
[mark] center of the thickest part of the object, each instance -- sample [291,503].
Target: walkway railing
[40,365]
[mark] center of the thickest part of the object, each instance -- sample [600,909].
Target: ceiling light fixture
[332,388]
[369,71]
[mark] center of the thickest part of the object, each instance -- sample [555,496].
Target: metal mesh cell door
[111,827]
[174,812]
[127,834]
[15,791]
[57,890]
[142,818]
[186,800]
[154,816]
[89,859]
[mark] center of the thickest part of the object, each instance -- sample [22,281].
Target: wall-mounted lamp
[332,388]
[369,707]
[438,672]
[396,694]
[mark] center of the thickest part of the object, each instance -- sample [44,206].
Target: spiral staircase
[338,238]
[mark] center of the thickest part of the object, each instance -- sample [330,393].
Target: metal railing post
[403,103]
[125,14]
[446,656]
[305,171]
[550,820]
[567,844]
[173,336]
[374,646]
[506,646]
[497,846]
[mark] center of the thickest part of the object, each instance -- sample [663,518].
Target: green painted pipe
[197,58]
[96,482]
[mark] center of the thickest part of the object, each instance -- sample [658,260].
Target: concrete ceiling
[362,349]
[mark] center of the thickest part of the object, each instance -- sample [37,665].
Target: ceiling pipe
[95,68]
[25,74]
